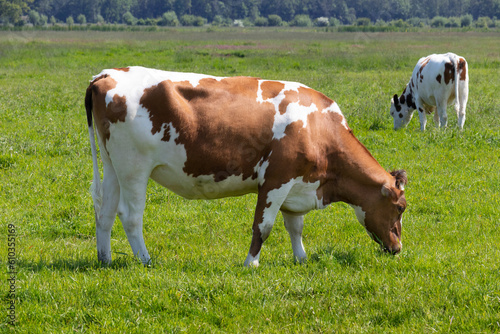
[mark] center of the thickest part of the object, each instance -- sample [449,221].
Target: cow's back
[204,136]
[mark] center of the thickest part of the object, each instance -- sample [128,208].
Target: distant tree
[363,21]
[182,7]
[70,21]
[274,20]
[334,22]
[34,17]
[261,22]
[169,19]
[466,20]
[43,20]
[99,19]
[129,19]
[483,22]
[81,19]
[52,20]
[416,22]
[113,10]
[192,20]
[301,21]
[11,10]
[453,22]
[438,21]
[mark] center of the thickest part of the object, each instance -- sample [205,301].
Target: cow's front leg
[268,205]
[421,115]
[294,225]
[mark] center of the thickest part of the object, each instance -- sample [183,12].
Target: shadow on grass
[345,258]
[83,264]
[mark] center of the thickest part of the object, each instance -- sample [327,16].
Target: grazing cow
[437,81]
[206,137]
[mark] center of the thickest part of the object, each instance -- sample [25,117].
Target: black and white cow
[437,80]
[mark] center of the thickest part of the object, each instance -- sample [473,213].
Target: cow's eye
[401,209]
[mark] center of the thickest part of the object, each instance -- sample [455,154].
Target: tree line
[249,12]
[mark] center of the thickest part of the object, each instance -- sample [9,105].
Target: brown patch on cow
[308,96]
[207,114]
[115,111]
[438,78]
[462,69]
[291,96]
[449,72]
[271,89]
[424,63]
[304,97]
[123,69]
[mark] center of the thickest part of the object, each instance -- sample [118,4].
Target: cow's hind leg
[294,225]
[131,209]
[268,205]
[107,213]
[443,116]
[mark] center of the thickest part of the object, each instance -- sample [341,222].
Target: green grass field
[447,278]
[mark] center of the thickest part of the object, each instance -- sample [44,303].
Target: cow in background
[437,80]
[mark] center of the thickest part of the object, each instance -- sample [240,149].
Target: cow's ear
[388,191]
[396,100]
[401,178]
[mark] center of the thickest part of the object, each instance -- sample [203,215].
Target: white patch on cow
[275,197]
[261,169]
[252,261]
[133,82]
[303,197]
[360,214]
[294,113]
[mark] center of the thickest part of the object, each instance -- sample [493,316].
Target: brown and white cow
[437,80]
[206,137]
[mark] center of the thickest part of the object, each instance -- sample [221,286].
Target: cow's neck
[353,174]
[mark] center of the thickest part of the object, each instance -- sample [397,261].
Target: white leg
[423,120]
[294,225]
[106,219]
[268,205]
[421,115]
[131,210]
[436,117]
[443,116]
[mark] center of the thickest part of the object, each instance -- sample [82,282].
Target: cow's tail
[96,188]
[456,61]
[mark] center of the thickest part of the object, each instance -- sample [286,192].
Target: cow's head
[401,111]
[382,214]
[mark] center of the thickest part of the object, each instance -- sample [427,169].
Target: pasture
[446,279]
